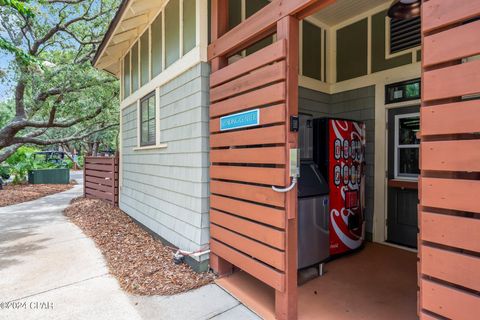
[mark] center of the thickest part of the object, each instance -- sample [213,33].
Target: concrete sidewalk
[50,270]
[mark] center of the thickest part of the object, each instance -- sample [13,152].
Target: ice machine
[313,197]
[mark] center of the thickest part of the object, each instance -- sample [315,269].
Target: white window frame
[158,144]
[397,146]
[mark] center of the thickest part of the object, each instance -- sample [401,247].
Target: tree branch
[7,152]
[51,123]
[74,137]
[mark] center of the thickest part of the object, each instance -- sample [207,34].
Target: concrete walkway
[50,270]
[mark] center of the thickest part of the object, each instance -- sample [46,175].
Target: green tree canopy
[60,98]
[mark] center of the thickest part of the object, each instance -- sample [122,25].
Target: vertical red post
[219,27]
[286,302]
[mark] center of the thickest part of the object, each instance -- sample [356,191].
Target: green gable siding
[352,44]
[157,46]
[234,13]
[379,63]
[252,6]
[135,72]
[312,51]
[189,22]
[126,76]
[172,32]
[144,57]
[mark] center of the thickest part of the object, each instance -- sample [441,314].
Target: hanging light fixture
[404,9]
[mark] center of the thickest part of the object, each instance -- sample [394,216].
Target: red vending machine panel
[346,150]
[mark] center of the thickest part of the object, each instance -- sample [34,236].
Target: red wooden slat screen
[253,227]
[101,178]
[449,211]
[241,223]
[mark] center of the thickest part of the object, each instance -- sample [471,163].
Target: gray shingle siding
[166,190]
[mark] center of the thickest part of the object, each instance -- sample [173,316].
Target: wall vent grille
[404,34]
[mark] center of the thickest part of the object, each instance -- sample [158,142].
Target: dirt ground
[142,264]
[13,194]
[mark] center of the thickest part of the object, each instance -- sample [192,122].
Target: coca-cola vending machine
[339,152]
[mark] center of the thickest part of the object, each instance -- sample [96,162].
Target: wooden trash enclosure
[449,212]
[101,178]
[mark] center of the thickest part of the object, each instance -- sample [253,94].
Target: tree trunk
[95,149]
[8,151]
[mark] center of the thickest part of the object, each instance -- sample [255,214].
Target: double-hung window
[148,120]
[407,145]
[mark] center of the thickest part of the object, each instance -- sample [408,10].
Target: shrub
[4,172]
[23,161]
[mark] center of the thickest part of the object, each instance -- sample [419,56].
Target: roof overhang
[131,19]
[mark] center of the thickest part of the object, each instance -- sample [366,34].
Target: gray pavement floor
[49,269]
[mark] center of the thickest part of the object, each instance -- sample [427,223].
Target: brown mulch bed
[142,264]
[14,194]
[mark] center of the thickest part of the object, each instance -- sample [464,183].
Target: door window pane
[408,128]
[408,161]
[407,145]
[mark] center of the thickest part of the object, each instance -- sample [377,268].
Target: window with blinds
[147,116]
[404,34]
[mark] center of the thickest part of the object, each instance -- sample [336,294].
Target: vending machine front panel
[346,209]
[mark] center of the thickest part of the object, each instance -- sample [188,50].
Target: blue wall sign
[240,120]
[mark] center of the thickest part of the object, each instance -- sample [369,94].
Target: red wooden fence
[449,212]
[101,178]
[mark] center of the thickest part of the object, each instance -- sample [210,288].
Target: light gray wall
[166,190]
[356,105]
[314,102]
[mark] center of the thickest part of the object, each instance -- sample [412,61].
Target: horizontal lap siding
[167,189]
[449,215]
[247,217]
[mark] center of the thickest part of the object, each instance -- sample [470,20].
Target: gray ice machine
[313,208]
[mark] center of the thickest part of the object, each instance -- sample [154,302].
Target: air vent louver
[404,34]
